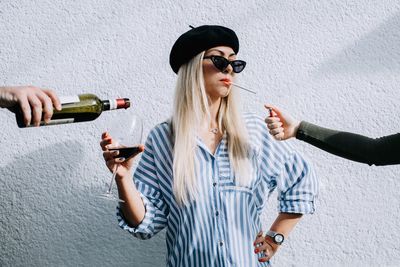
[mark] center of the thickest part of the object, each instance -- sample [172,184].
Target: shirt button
[221,243]
[214,184]
[216,213]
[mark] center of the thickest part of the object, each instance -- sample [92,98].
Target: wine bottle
[79,108]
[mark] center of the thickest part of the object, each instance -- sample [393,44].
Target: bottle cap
[123,103]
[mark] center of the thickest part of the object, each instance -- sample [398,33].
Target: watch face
[278,238]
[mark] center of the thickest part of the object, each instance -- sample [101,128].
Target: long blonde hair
[190,109]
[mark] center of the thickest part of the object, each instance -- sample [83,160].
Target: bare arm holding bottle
[34,102]
[133,207]
[378,151]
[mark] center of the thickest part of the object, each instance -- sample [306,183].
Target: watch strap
[273,235]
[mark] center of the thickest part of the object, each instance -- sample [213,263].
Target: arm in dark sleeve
[380,151]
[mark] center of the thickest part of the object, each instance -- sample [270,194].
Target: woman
[380,151]
[206,174]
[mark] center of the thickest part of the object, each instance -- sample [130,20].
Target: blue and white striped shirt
[220,227]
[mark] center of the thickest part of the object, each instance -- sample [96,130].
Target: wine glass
[126,131]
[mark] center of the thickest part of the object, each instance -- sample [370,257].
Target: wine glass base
[111,197]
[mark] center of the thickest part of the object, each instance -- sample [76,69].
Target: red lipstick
[226,80]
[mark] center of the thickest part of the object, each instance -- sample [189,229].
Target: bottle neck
[116,103]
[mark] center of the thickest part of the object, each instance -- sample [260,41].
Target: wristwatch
[276,237]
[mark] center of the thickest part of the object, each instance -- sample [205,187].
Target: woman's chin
[225,92]
[221,92]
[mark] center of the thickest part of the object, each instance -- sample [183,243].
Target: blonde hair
[189,110]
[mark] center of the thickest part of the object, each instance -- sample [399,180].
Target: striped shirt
[220,227]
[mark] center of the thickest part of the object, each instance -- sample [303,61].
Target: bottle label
[69,99]
[54,122]
[61,121]
[113,104]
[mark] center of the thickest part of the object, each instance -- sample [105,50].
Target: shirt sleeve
[146,182]
[379,151]
[287,171]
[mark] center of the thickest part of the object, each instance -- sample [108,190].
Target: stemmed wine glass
[126,131]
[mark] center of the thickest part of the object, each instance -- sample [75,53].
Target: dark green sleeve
[380,151]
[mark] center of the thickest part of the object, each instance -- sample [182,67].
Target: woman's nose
[228,69]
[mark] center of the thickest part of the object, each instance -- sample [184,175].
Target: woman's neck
[214,105]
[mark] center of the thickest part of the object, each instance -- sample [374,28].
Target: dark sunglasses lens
[220,63]
[238,66]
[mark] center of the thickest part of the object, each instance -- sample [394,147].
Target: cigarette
[244,88]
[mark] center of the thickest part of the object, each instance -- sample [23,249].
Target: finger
[279,136]
[258,241]
[261,252]
[46,104]
[276,131]
[111,164]
[274,111]
[264,252]
[272,119]
[264,256]
[141,149]
[36,107]
[270,110]
[105,135]
[264,259]
[26,109]
[104,143]
[54,98]
[265,246]
[109,155]
[274,125]
[120,160]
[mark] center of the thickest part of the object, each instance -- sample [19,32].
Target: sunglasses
[222,63]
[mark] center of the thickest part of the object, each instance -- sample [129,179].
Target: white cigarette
[244,88]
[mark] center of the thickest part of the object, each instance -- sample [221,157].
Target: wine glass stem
[112,179]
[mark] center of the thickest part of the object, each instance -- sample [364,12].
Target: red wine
[127,152]
[85,107]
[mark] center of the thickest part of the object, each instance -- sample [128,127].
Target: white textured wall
[335,63]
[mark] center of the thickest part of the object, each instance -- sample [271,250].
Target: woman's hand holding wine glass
[114,161]
[120,144]
[121,169]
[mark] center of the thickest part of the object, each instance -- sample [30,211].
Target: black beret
[198,40]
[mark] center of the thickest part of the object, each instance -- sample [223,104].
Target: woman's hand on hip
[264,248]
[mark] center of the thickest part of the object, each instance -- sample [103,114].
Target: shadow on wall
[374,52]
[49,218]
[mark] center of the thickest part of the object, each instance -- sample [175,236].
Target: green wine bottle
[79,108]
